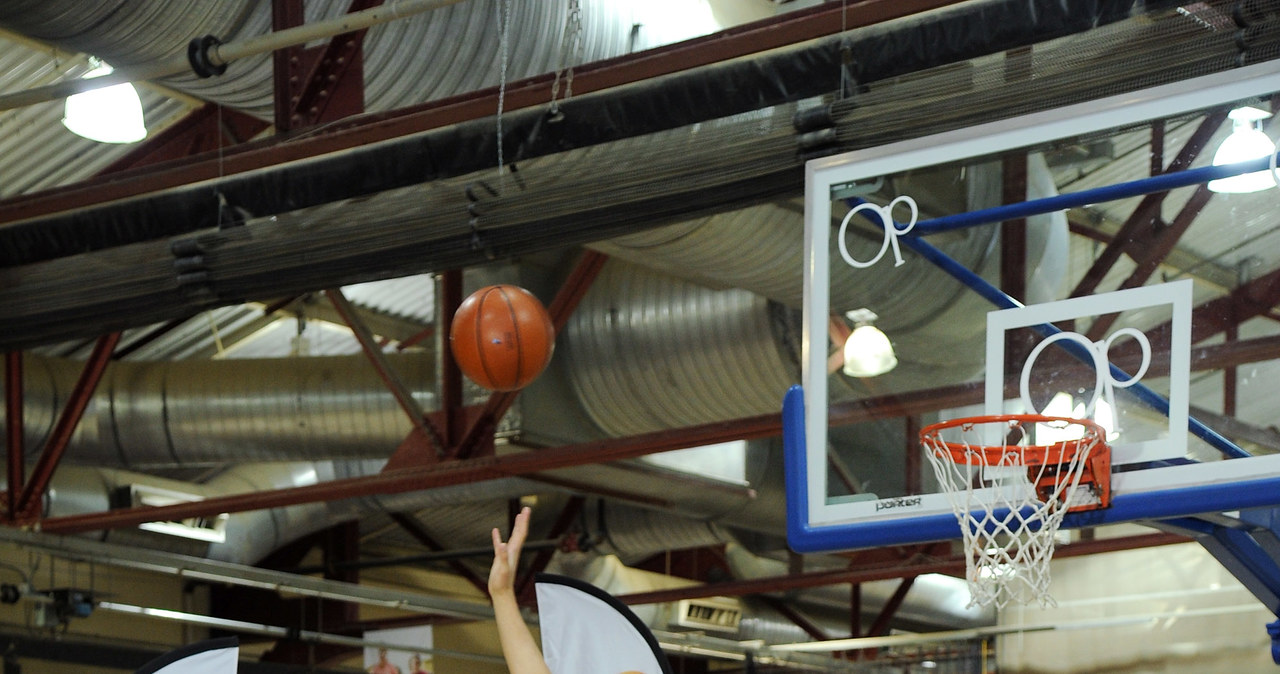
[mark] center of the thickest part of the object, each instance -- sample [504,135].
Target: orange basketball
[502,337]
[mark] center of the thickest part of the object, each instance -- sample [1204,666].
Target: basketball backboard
[1120,355]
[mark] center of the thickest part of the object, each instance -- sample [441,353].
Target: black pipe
[424,558]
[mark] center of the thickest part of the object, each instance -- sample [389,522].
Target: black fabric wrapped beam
[669,102]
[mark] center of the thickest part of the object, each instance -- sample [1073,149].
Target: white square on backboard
[1157,439]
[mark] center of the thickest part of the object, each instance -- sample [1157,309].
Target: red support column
[914,458]
[13,424]
[287,67]
[1229,375]
[450,376]
[318,84]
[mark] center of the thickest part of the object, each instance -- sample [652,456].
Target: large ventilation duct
[195,413]
[406,61]
[244,266]
[672,353]
[647,352]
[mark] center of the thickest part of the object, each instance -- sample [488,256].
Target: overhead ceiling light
[867,351]
[1246,142]
[109,114]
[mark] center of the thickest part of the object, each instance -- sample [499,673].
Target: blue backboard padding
[1149,505]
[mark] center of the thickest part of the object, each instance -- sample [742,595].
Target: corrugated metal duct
[407,61]
[202,413]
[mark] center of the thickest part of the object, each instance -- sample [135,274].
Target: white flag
[585,630]
[215,656]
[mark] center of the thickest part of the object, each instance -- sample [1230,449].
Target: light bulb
[1245,142]
[868,353]
[108,115]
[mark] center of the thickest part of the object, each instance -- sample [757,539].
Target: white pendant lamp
[1246,142]
[108,115]
[867,351]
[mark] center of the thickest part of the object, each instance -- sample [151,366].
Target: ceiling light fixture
[107,115]
[1247,141]
[867,351]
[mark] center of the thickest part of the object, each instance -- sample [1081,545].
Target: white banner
[587,631]
[215,656]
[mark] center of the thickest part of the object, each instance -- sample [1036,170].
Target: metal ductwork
[647,352]
[429,232]
[202,413]
[643,352]
[696,322]
[402,58]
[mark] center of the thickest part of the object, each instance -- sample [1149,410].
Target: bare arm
[518,646]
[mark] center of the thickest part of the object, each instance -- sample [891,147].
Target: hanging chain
[504,39]
[571,50]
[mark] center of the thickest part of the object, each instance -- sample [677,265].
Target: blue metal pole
[1097,195]
[998,297]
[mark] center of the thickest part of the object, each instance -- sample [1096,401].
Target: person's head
[415,662]
[382,655]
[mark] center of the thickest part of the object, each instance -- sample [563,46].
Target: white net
[1010,499]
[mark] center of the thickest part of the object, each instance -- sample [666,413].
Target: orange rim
[994,455]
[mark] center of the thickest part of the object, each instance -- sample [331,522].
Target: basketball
[502,337]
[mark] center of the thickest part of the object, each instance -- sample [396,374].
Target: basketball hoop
[1010,495]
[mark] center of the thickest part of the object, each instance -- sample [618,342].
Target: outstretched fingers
[519,531]
[506,555]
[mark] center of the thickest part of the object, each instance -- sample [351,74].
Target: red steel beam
[1013,233]
[794,616]
[203,130]
[1255,298]
[855,610]
[317,84]
[486,468]
[13,394]
[1147,210]
[1151,248]
[792,28]
[379,361]
[335,86]
[882,571]
[286,65]
[67,422]
[881,625]
[442,474]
